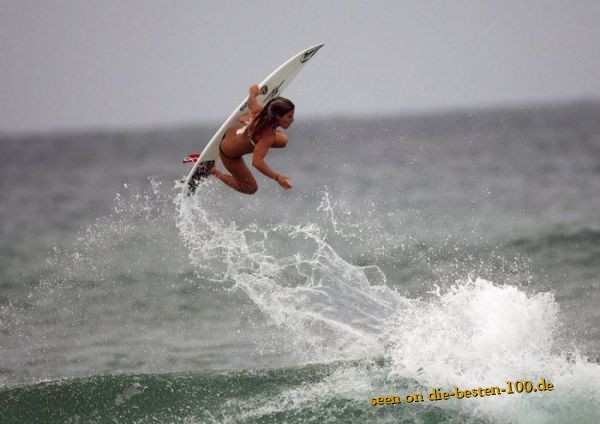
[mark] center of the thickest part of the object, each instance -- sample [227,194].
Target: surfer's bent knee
[250,189]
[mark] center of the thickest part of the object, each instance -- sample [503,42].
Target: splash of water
[297,279]
[471,334]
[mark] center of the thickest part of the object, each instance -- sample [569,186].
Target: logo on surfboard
[264,90]
[306,57]
[274,93]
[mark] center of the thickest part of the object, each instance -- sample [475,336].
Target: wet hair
[268,115]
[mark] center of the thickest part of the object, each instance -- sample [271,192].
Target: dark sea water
[441,251]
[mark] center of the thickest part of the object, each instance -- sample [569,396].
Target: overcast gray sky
[129,63]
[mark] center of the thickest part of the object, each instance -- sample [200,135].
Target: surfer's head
[277,112]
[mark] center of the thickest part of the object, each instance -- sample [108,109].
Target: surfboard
[271,87]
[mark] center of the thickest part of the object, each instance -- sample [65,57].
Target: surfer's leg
[241,179]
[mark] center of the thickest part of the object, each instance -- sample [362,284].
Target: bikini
[238,132]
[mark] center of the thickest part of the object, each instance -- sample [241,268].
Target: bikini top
[241,131]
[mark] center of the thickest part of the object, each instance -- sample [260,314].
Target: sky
[97,64]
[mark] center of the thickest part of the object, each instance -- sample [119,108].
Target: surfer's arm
[253,105]
[258,161]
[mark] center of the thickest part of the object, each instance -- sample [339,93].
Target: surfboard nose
[310,53]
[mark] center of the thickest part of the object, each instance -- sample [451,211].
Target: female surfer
[256,134]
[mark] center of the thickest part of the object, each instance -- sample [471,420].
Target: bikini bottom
[223,153]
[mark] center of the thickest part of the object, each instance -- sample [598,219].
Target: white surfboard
[271,87]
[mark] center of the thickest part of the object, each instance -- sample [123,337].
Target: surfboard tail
[202,172]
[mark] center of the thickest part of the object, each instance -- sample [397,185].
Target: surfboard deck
[271,87]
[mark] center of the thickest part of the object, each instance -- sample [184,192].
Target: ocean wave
[319,393]
[468,332]
[313,393]
[351,333]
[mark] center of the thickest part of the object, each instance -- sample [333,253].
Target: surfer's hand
[254,90]
[284,181]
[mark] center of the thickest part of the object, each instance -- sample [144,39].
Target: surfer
[257,133]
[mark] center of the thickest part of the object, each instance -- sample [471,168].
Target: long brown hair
[268,115]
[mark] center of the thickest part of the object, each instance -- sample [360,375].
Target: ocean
[453,251]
